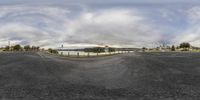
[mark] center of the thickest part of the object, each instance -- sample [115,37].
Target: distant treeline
[94,49]
[185,46]
[22,48]
[101,49]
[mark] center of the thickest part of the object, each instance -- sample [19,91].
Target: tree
[173,48]
[7,48]
[27,47]
[50,50]
[185,45]
[33,48]
[98,49]
[95,49]
[144,49]
[111,49]
[17,47]
[37,48]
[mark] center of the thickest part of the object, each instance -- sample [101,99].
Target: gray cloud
[192,32]
[52,26]
[80,25]
[93,1]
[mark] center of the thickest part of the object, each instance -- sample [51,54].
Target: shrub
[52,51]
[7,48]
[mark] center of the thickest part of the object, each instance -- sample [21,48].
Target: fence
[89,54]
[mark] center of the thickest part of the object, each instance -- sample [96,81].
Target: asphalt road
[134,76]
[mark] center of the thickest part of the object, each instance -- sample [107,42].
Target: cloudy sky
[83,23]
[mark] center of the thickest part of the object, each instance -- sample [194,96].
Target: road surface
[134,76]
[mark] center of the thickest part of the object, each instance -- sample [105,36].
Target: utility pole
[9,43]
[62,46]
[62,49]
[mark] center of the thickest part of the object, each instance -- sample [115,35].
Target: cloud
[192,32]
[93,1]
[83,26]
[120,27]
[30,24]
[51,26]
